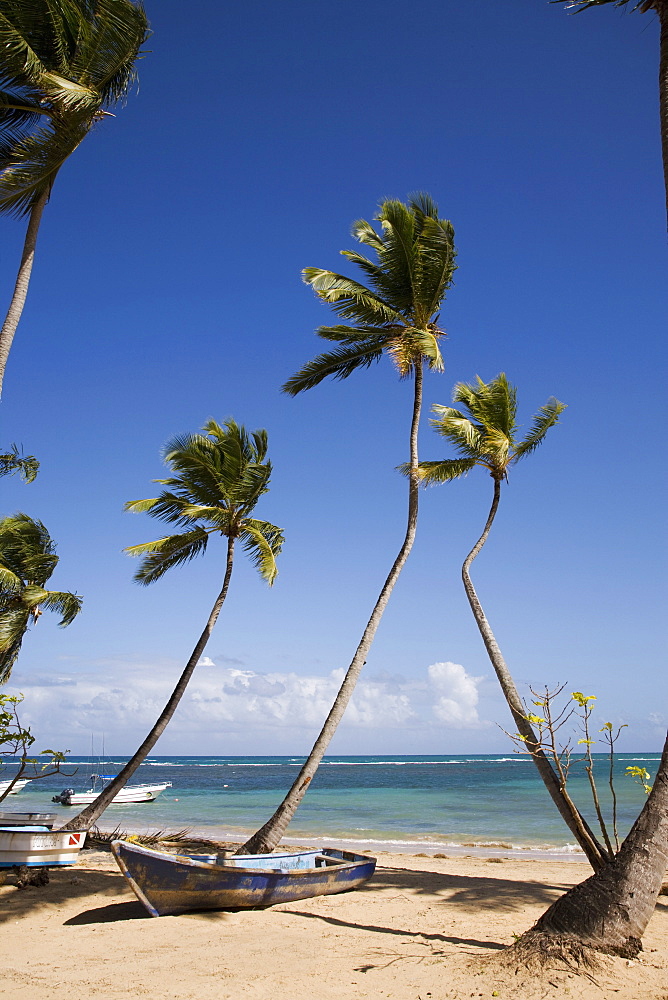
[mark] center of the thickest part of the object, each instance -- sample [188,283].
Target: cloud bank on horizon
[227,706]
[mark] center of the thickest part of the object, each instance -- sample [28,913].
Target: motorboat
[130,793]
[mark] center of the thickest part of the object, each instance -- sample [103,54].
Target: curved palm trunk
[21,287]
[85,819]
[661,8]
[611,909]
[266,839]
[596,853]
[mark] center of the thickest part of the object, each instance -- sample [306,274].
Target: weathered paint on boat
[27,819]
[172,883]
[39,847]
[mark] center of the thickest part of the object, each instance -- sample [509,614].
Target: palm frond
[467,437]
[350,299]
[107,59]
[165,553]
[10,582]
[445,471]
[262,542]
[437,266]
[13,461]
[546,417]
[397,256]
[19,61]
[336,364]
[34,162]
[579,5]
[13,626]
[63,603]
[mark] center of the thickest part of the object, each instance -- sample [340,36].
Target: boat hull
[27,819]
[169,884]
[4,785]
[39,847]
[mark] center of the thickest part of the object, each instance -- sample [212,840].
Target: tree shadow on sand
[467,891]
[423,936]
[64,884]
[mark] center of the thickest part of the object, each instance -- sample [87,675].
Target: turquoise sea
[486,803]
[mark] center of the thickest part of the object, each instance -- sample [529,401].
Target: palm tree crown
[27,561]
[398,312]
[64,61]
[487,437]
[13,461]
[219,476]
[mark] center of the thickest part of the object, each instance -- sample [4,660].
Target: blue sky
[167,290]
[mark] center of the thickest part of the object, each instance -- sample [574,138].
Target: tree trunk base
[535,950]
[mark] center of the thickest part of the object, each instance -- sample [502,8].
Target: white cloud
[122,700]
[457,704]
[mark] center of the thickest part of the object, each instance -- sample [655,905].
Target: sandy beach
[424,928]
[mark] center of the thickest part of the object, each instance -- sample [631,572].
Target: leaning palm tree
[660,7]
[610,910]
[63,63]
[396,314]
[218,479]
[27,561]
[485,436]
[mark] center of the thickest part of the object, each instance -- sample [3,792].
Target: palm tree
[610,910]
[218,479]
[27,561]
[397,314]
[661,9]
[485,436]
[13,461]
[63,63]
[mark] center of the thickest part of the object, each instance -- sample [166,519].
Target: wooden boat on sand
[175,883]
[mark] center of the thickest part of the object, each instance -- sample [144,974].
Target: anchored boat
[4,785]
[130,793]
[174,883]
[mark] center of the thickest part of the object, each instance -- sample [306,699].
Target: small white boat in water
[39,847]
[131,793]
[4,785]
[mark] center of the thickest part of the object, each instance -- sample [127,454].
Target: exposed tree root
[27,877]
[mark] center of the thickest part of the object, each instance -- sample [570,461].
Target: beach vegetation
[217,479]
[27,561]
[16,742]
[567,749]
[396,313]
[64,62]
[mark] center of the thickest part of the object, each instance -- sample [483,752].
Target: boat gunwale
[208,865]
